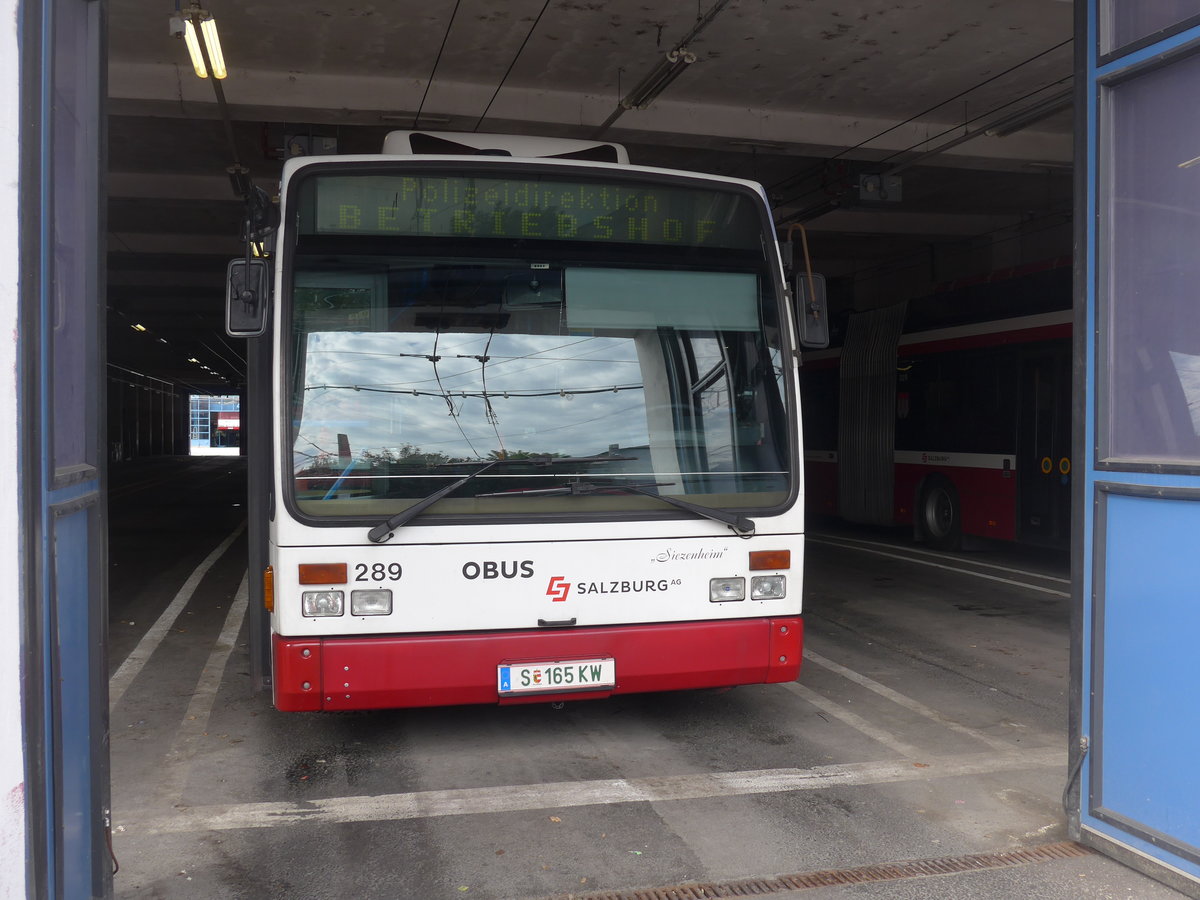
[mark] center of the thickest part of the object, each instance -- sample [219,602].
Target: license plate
[555,677]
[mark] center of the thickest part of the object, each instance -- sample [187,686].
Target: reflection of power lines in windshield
[460,370]
[450,395]
[433,361]
[574,424]
[321,451]
[487,403]
[495,361]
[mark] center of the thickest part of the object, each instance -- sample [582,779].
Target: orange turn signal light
[770,559]
[269,589]
[322,573]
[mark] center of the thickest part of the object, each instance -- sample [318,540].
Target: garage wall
[12,765]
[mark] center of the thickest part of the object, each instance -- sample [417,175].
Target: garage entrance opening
[215,425]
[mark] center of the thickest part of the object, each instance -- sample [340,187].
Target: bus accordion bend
[528,428]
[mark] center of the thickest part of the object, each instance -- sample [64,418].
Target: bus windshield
[647,356]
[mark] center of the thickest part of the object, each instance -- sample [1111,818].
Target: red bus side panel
[447,670]
[989,497]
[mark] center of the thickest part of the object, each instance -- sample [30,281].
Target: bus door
[1137,561]
[1044,446]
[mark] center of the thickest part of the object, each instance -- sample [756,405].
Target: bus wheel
[941,515]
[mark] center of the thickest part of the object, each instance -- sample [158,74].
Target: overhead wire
[916,116]
[436,62]
[983,115]
[798,179]
[232,350]
[239,367]
[812,192]
[520,50]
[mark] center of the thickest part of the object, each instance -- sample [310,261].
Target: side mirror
[247,290]
[812,311]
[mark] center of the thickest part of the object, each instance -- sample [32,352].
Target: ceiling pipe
[666,71]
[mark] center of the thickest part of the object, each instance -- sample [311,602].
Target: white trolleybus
[533,428]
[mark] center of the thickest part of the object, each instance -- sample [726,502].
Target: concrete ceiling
[802,95]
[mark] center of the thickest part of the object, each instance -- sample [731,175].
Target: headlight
[723,589]
[768,587]
[323,603]
[371,603]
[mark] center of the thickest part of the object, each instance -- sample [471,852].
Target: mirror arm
[813,313]
[259,220]
[247,295]
[813,307]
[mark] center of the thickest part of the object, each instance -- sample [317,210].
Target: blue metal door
[62,462]
[1136,713]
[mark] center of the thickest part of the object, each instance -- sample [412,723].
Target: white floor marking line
[129,669]
[925,562]
[858,723]
[834,538]
[195,720]
[563,795]
[907,702]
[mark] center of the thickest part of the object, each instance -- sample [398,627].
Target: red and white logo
[558,588]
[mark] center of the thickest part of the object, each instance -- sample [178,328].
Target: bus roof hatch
[453,143]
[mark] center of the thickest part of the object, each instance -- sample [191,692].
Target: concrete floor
[929,721]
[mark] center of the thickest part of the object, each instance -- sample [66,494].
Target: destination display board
[532,208]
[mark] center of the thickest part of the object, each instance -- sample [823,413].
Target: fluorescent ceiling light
[208,31]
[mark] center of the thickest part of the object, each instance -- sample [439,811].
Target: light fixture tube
[208,29]
[189,37]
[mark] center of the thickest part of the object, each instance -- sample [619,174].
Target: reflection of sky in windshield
[544,394]
[1187,367]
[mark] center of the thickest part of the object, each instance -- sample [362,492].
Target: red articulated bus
[951,413]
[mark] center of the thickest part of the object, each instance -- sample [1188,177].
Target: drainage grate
[922,868]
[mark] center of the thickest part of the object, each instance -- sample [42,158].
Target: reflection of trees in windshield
[408,457]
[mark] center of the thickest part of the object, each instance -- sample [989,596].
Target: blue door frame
[61,422]
[1135,708]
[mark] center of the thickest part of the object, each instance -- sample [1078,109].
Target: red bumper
[446,670]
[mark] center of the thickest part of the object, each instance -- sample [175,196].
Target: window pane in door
[1126,21]
[1150,270]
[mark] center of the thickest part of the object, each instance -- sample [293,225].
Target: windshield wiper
[739,525]
[384,530]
